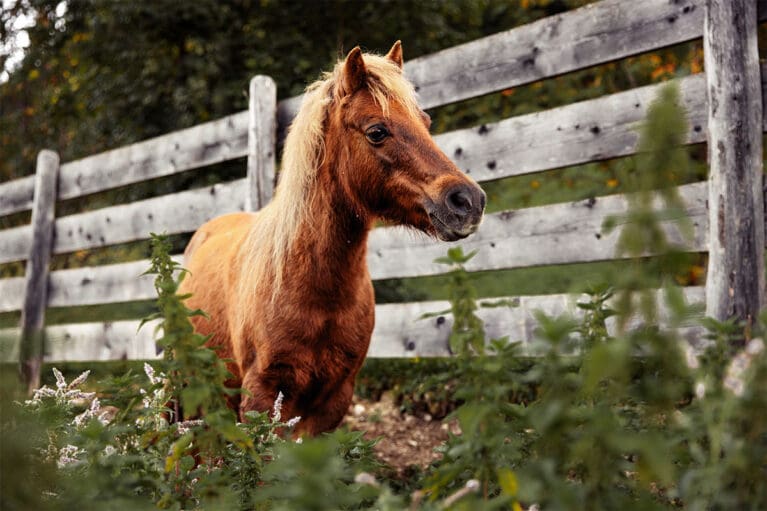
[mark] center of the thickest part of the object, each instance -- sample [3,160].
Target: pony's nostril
[459,201]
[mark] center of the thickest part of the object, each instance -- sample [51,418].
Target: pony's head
[376,142]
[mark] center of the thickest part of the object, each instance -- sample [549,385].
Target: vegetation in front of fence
[631,420]
[606,429]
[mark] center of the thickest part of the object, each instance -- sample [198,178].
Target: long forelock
[273,233]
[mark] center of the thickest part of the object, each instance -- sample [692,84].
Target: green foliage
[644,229]
[468,334]
[624,421]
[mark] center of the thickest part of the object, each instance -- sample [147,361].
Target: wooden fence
[730,205]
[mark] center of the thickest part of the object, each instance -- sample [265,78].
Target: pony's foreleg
[328,414]
[262,391]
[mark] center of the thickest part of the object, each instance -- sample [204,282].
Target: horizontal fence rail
[399,330]
[560,233]
[205,144]
[173,213]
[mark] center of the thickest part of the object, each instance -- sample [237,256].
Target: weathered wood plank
[114,283]
[179,212]
[12,294]
[15,243]
[594,34]
[36,274]
[17,195]
[398,331]
[203,144]
[736,273]
[593,130]
[118,340]
[554,234]
[262,143]
[92,285]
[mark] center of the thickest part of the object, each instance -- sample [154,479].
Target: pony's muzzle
[459,213]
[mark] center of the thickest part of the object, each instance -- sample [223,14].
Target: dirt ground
[405,440]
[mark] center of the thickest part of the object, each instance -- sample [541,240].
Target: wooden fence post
[36,275]
[736,280]
[262,137]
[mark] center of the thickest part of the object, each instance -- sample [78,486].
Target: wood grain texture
[118,340]
[262,142]
[554,234]
[12,294]
[582,132]
[17,195]
[36,273]
[398,330]
[175,213]
[203,144]
[92,285]
[594,34]
[736,273]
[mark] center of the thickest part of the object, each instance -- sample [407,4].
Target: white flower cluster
[68,455]
[93,411]
[69,394]
[156,401]
[734,378]
[65,394]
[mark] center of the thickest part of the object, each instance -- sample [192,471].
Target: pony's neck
[332,238]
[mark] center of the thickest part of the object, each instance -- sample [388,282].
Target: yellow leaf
[508,481]
[535,184]
[612,183]
[34,74]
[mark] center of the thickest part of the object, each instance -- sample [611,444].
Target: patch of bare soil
[406,440]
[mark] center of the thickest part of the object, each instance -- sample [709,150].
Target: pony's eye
[376,134]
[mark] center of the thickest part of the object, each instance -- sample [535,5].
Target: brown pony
[287,289]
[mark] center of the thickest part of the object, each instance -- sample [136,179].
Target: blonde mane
[268,245]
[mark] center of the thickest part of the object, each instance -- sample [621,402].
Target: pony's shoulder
[229,224]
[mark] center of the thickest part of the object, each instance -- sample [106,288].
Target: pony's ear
[354,71]
[395,54]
